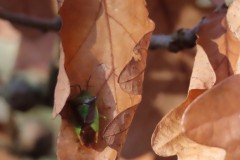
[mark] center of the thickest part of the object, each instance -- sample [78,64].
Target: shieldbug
[85,117]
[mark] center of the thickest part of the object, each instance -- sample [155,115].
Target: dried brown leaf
[100,38]
[232,16]
[168,139]
[115,132]
[217,58]
[74,151]
[218,125]
[203,76]
[131,78]
[62,89]
[216,118]
[220,45]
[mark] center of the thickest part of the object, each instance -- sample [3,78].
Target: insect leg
[87,85]
[76,85]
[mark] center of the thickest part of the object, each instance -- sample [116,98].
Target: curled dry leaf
[220,45]
[214,62]
[168,139]
[62,89]
[219,126]
[222,48]
[232,16]
[131,78]
[100,39]
[203,76]
[115,132]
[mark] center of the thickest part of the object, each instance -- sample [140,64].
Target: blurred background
[29,52]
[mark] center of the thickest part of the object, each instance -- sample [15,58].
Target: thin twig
[181,39]
[30,21]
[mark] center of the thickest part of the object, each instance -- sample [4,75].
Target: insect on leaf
[85,117]
[99,39]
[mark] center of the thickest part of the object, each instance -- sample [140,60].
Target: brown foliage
[168,139]
[104,43]
[219,125]
[105,47]
[210,119]
[216,118]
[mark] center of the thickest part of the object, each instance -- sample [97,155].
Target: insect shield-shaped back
[86,117]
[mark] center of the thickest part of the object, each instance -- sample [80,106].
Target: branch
[181,39]
[30,21]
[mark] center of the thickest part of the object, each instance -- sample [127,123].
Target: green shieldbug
[86,117]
